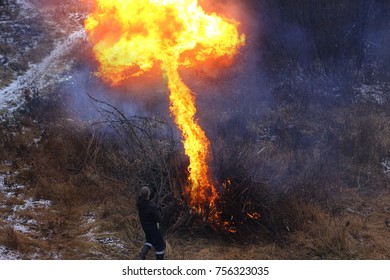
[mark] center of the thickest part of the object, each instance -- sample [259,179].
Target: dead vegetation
[313,170]
[24,41]
[92,175]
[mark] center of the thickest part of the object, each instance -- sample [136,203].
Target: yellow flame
[130,37]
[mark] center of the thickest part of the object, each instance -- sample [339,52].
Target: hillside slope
[68,186]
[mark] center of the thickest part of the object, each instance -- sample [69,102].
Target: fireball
[130,37]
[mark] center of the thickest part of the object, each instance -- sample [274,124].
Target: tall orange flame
[131,36]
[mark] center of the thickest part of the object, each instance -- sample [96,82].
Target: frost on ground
[36,220]
[386,166]
[17,212]
[37,54]
[24,223]
[372,93]
[40,75]
[43,73]
[6,254]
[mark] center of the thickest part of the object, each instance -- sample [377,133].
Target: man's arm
[156,213]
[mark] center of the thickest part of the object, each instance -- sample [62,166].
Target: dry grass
[17,241]
[348,235]
[315,173]
[357,230]
[303,217]
[10,238]
[5,76]
[59,170]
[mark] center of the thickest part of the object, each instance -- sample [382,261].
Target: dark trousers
[154,239]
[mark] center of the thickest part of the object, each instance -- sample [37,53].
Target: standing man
[150,218]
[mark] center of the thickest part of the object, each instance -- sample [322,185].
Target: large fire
[130,37]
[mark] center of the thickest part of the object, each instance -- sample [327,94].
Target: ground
[57,203]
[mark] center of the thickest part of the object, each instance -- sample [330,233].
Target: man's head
[145,193]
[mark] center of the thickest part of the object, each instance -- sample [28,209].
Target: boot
[159,256]
[144,252]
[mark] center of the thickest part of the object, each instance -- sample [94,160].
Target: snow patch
[6,254]
[21,228]
[20,222]
[89,218]
[371,93]
[386,166]
[32,204]
[112,242]
[6,162]
[23,225]
[2,182]
[39,75]
[9,189]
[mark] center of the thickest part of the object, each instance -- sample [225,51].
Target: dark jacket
[149,214]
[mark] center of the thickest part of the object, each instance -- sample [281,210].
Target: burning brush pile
[157,38]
